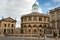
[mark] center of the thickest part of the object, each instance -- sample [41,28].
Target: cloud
[47,4]
[15,8]
[55,1]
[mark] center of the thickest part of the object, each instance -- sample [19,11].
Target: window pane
[35,19]
[29,25]
[12,25]
[4,25]
[29,30]
[40,19]
[59,15]
[34,30]
[8,25]
[40,25]
[29,19]
[34,25]
[4,31]
[44,19]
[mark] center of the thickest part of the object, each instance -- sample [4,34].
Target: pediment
[9,19]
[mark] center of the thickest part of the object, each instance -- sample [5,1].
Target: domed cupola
[35,7]
[35,4]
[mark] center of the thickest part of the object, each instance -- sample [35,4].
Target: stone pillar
[32,18]
[37,18]
[10,31]
[23,19]
[38,34]
[24,32]
[6,31]
[31,31]
[46,19]
[27,19]
[42,18]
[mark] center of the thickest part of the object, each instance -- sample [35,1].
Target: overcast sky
[17,8]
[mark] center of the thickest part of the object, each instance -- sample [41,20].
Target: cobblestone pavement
[21,38]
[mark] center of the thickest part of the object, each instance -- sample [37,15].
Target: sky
[17,8]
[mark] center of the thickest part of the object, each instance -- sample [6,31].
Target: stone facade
[34,24]
[7,26]
[55,21]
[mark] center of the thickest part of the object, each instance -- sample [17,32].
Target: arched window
[29,19]
[12,25]
[8,25]
[44,25]
[48,26]
[35,19]
[21,30]
[29,30]
[21,25]
[5,25]
[34,25]
[40,19]
[24,25]
[40,30]
[29,25]
[40,25]
[35,30]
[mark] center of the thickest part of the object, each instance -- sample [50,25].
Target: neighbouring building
[55,20]
[7,26]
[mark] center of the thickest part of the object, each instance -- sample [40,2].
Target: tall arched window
[34,25]
[8,25]
[12,25]
[21,25]
[29,25]
[44,25]
[35,19]
[35,30]
[40,19]
[29,19]
[24,25]
[21,30]
[40,25]
[5,25]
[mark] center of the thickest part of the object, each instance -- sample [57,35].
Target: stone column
[46,19]
[32,18]
[27,19]
[31,31]
[24,32]
[37,18]
[38,34]
[42,18]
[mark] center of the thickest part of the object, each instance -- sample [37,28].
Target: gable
[9,19]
